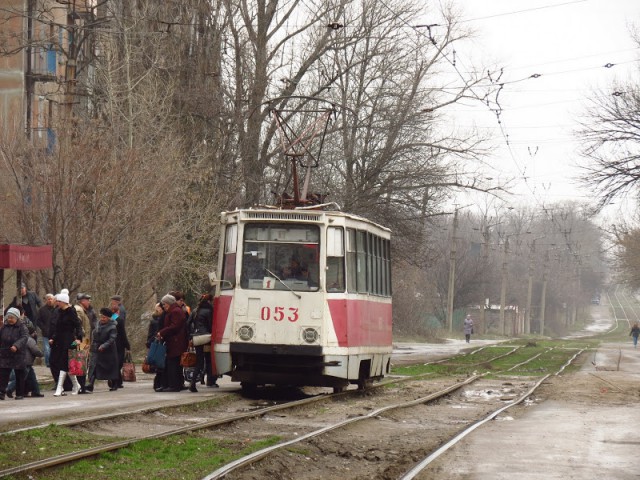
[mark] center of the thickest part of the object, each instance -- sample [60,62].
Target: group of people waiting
[174,324]
[100,341]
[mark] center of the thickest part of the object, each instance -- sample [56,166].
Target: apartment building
[44,49]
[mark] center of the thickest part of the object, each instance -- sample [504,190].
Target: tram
[304,298]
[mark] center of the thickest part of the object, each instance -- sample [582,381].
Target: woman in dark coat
[67,333]
[200,324]
[155,324]
[104,353]
[174,334]
[13,343]
[122,345]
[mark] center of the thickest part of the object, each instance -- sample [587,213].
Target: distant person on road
[635,331]
[468,328]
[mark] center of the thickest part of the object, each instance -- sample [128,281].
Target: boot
[76,384]
[60,387]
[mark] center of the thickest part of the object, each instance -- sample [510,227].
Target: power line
[517,12]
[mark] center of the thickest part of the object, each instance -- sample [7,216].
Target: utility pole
[544,292]
[452,271]
[503,290]
[485,263]
[527,318]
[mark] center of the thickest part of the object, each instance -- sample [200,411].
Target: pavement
[133,397]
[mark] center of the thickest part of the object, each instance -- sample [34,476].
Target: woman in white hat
[13,341]
[67,333]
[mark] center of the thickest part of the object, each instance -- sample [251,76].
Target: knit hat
[14,311]
[168,299]
[62,297]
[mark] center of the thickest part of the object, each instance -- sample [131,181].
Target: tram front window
[280,257]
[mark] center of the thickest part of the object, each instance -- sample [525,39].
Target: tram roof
[296,214]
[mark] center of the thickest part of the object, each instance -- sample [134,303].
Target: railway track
[467,361]
[465,402]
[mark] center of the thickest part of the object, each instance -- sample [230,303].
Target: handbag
[147,367]
[157,354]
[128,369]
[188,359]
[77,362]
[201,339]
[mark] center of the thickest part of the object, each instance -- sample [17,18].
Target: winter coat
[174,331]
[30,304]
[468,326]
[105,361]
[32,351]
[13,335]
[67,329]
[45,319]
[122,342]
[200,320]
[635,331]
[86,326]
[154,326]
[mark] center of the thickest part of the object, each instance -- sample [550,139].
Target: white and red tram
[304,299]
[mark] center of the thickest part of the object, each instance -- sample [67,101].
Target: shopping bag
[77,362]
[128,369]
[157,354]
[188,359]
[147,367]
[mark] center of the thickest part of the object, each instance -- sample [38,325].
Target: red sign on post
[25,257]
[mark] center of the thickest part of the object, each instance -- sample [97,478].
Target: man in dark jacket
[122,342]
[44,321]
[30,303]
[174,334]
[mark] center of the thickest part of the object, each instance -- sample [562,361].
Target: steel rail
[419,467]
[78,455]
[258,455]
[228,468]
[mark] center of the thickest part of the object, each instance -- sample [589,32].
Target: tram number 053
[279,314]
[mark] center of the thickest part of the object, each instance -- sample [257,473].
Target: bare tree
[610,133]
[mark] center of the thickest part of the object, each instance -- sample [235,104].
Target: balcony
[43,64]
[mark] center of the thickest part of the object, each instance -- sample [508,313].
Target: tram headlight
[245,333]
[310,335]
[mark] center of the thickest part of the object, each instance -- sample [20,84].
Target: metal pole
[503,290]
[452,272]
[485,254]
[544,293]
[527,317]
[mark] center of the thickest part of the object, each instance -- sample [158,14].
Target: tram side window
[229,260]
[335,259]
[361,262]
[351,260]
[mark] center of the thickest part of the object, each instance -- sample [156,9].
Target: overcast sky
[567,43]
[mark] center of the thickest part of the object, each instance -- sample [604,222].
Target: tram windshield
[280,257]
